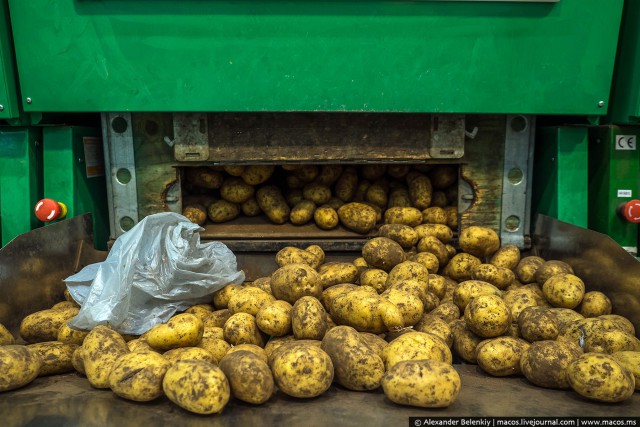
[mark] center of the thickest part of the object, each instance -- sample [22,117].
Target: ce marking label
[625,142]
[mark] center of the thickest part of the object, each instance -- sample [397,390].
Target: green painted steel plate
[312,55]
[8,96]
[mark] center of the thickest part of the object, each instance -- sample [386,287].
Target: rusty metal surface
[69,400]
[190,133]
[598,260]
[34,264]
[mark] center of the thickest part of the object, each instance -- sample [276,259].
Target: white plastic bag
[153,270]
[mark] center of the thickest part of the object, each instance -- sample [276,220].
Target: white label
[625,193]
[625,142]
[93,156]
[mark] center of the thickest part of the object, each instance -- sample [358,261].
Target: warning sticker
[93,156]
[625,193]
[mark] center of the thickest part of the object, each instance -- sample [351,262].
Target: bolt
[467,197]
[28,100]
[1,107]
[601,104]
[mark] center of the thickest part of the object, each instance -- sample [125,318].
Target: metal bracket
[517,179]
[447,136]
[191,136]
[120,162]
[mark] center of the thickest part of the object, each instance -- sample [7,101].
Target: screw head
[1,107]
[601,104]
[28,100]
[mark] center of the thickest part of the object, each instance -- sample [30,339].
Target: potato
[434,215]
[487,316]
[441,231]
[408,303]
[251,208]
[420,189]
[404,235]
[182,330]
[538,324]
[447,311]
[249,300]
[439,199]
[408,270]
[551,268]
[221,297]
[545,363]
[223,211]
[216,319]
[465,341]
[601,378]
[6,338]
[308,319]
[631,361]
[195,213]
[422,383]
[235,190]
[43,325]
[416,346]
[56,357]
[307,173]
[77,360]
[333,273]
[275,342]
[302,212]
[461,267]
[329,294]
[356,365]
[564,290]
[138,376]
[358,217]
[527,268]
[257,174]
[217,347]
[317,251]
[470,289]
[326,217]
[409,216]
[564,317]
[234,170]
[291,255]
[501,356]
[577,331]
[435,325]
[294,196]
[525,296]
[375,278]
[378,194]
[201,311]
[499,277]
[346,186]
[329,174]
[594,304]
[274,318]
[610,342]
[433,245]
[197,386]
[399,198]
[241,328]
[273,204]
[373,171]
[375,342]
[383,253]
[316,193]
[19,365]
[249,377]
[365,311]
[293,281]
[139,345]
[508,256]
[302,370]
[623,323]
[100,350]
[251,348]
[203,177]
[479,241]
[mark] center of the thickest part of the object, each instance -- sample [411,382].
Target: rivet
[1,107]
[28,100]
[601,104]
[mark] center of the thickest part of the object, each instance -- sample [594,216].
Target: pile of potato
[358,197]
[396,318]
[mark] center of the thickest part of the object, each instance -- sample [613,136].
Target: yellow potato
[538,324]
[601,378]
[275,342]
[441,231]
[429,260]
[100,350]
[249,300]
[308,319]
[501,356]
[461,267]
[329,174]
[182,330]
[6,338]
[479,241]
[138,376]
[235,190]
[203,177]
[189,353]
[301,370]
[403,234]
[564,290]
[435,325]
[365,311]
[302,212]
[293,281]
[197,386]
[257,174]
[275,318]
[594,304]
[329,294]
[347,184]
[610,342]
[409,216]
[56,357]
[622,322]
[316,193]
[201,311]
[216,319]
[356,365]
[375,278]
[551,268]
[249,376]
[333,273]
[499,277]
[43,326]
[217,347]
[422,383]
[432,245]
[358,217]
[291,255]
[376,343]
[508,256]
[19,365]
[465,342]
[221,297]
[399,198]
[487,316]
[241,328]
[383,253]
[420,190]
[273,204]
[250,207]
[251,348]
[447,311]
[545,363]
[326,217]
[435,215]
[470,289]
[631,361]
[139,345]
[77,360]
[416,346]
[408,270]
[223,211]
[527,268]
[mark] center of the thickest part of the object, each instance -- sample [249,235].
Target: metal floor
[69,400]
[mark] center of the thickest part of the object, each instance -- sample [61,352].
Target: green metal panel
[625,106]
[74,174]
[560,187]
[20,179]
[8,84]
[313,55]
[613,180]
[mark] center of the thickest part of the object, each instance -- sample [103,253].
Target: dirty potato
[333,273]
[273,204]
[56,357]
[409,216]
[301,370]
[308,319]
[375,278]
[292,255]
[182,330]
[594,304]
[508,256]
[235,190]
[499,277]
[429,260]
[420,190]
[197,386]
[249,300]
[250,207]
[527,268]
[222,296]
[433,245]
[479,241]
[274,318]
[441,231]
[44,325]
[564,290]
[403,234]
[434,215]
[631,361]
[487,316]
[138,376]
[241,328]
[216,346]
[257,174]
[465,341]
[422,383]
[545,363]
[470,289]
[383,253]
[19,365]
[461,267]
[538,324]
[408,270]
[326,217]
[293,281]
[356,365]
[347,184]
[601,378]
[195,213]
[435,325]
[416,346]
[500,356]
[551,268]
[250,378]
[358,217]
[316,193]
[100,350]
[223,211]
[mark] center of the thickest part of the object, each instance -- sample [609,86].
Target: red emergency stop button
[48,210]
[631,211]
